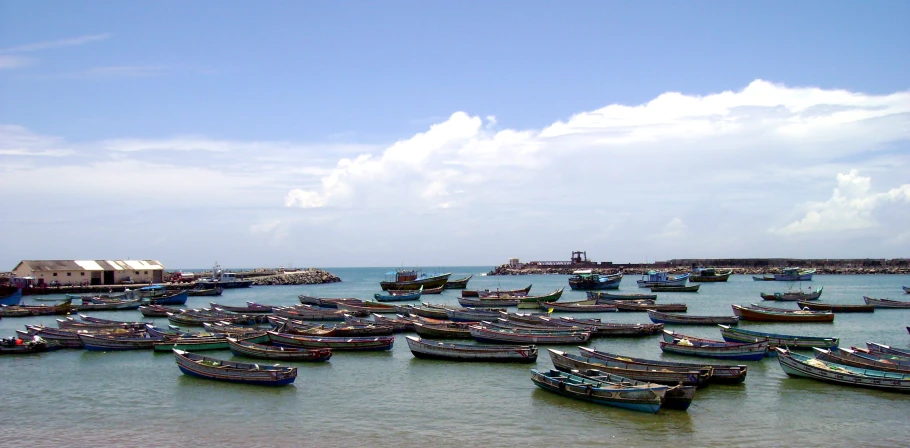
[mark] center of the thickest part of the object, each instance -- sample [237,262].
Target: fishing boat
[763,278]
[19,346]
[10,295]
[412,295]
[334,343]
[205,292]
[460,283]
[885,303]
[399,323]
[430,349]
[671,377]
[598,328]
[793,274]
[709,275]
[643,306]
[401,292]
[474,314]
[487,303]
[233,371]
[430,310]
[177,298]
[835,308]
[485,332]
[366,307]
[533,301]
[586,279]
[686,319]
[661,278]
[794,296]
[109,306]
[887,350]
[796,365]
[853,358]
[195,343]
[764,314]
[449,330]
[619,296]
[496,292]
[709,348]
[252,349]
[223,279]
[688,288]
[581,306]
[107,342]
[410,279]
[61,308]
[73,324]
[791,341]
[158,310]
[720,373]
[617,392]
[306,312]
[250,308]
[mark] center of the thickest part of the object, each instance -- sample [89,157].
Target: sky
[409,133]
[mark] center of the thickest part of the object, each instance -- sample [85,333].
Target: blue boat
[400,297]
[232,371]
[618,392]
[660,278]
[586,280]
[788,341]
[795,275]
[13,298]
[172,299]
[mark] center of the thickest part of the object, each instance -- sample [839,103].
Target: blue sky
[453,133]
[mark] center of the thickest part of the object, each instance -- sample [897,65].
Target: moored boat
[581,306]
[253,349]
[661,278]
[568,362]
[709,275]
[687,288]
[794,364]
[611,393]
[334,343]
[469,302]
[720,373]
[886,303]
[764,314]
[410,279]
[887,349]
[488,333]
[532,301]
[460,283]
[643,306]
[10,295]
[496,292]
[586,279]
[430,349]
[205,292]
[686,319]
[177,298]
[794,296]
[19,346]
[793,274]
[413,295]
[107,342]
[731,334]
[619,296]
[249,308]
[451,330]
[232,371]
[853,358]
[709,348]
[223,279]
[835,307]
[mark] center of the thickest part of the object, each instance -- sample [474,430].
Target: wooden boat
[709,348]
[586,279]
[306,312]
[689,288]
[157,310]
[487,303]
[709,275]
[617,296]
[250,308]
[906,289]
[901,357]
[413,295]
[496,292]
[474,314]
[232,371]
[533,301]
[105,322]
[325,302]
[10,295]
[598,328]
[849,357]
[70,338]
[283,325]
[106,342]
[643,306]
[777,340]
[334,343]
[413,280]
[213,342]
[488,333]
[886,303]
[399,322]
[763,278]
[720,373]
[451,330]
[671,377]
[460,283]
[72,324]
[19,346]
[754,313]
[835,308]
[686,319]
[397,292]
[109,306]
[796,365]
[660,278]
[366,307]
[793,296]
[887,350]
[794,275]
[205,292]
[581,306]
[62,308]
[433,311]
[618,392]
[178,298]
[251,349]
[429,349]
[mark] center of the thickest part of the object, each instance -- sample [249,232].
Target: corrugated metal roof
[93,265]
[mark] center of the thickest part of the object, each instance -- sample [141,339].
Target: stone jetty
[306,277]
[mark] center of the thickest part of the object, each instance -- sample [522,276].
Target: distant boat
[763,278]
[223,279]
[619,296]
[496,292]
[687,288]
[460,283]
[410,279]
[232,371]
[766,314]
[685,319]
[586,279]
[413,295]
[709,275]
[794,275]
[660,278]
[198,291]
[793,296]
[835,307]
[886,303]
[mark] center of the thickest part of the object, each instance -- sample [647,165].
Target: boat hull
[642,400]
[796,365]
[427,349]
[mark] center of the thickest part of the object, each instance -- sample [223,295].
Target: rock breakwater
[305,277]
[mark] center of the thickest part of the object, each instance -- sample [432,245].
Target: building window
[82,274]
[137,272]
[69,274]
[146,272]
[55,274]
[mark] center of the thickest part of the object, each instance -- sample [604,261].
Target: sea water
[391,399]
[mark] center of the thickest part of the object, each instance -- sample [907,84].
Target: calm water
[81,398]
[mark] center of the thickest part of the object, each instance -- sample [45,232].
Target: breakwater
[638,269]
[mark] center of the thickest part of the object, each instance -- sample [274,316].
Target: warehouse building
[89,272]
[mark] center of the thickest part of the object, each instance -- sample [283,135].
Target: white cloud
[9,61]
[674,229]
[68,42]
[852,206]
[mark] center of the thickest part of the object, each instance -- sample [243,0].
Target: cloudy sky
[410,133]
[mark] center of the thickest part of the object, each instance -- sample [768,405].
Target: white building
[90,272]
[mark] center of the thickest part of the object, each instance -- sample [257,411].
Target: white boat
[660,278]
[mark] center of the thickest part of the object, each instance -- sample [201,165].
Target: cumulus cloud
[852,206]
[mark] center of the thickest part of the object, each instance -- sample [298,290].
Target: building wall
[89,277]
